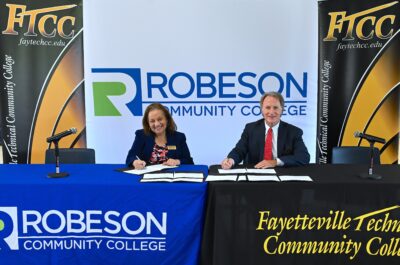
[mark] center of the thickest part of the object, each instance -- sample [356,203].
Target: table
[97,216]
[245,221]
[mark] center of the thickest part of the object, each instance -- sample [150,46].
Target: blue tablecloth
[97,216]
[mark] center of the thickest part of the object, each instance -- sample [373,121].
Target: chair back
[72,156]
[354,155]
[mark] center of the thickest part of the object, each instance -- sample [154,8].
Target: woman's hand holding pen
[138,163]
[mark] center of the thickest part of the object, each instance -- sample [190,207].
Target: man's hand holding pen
[227,163]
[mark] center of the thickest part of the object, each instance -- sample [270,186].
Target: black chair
[72,156]
[354,155]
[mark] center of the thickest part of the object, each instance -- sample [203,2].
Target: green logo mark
[102,104]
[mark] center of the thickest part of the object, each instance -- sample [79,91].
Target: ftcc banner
[41,52]
[359,76]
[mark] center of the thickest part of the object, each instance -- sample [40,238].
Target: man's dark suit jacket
[291,148]
[143,145]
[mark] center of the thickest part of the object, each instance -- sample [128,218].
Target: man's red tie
[268,145]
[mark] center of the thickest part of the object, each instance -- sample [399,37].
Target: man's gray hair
[273,94]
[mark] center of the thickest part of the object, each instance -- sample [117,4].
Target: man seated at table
[269,142]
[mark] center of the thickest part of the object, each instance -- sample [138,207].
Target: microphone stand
[58,174]
[370,174]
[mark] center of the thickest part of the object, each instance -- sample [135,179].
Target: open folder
[173,177]
[247,171]
[244,174]
[242,178]
[248,177]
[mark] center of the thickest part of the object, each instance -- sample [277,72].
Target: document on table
[189,175]
[295,178]
[263,178]
[261,171]
[158,176]
[247,170]
[242,178]
[221,178]
[173,177]
[148,169]
[232,171]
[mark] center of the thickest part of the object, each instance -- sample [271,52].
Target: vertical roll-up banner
[41,53]
[359,76]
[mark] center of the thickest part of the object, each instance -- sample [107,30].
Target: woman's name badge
[171,147]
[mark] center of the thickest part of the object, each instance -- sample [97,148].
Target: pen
[143,163]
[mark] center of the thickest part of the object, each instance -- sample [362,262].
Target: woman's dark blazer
[143,144]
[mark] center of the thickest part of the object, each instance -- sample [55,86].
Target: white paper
[247,170]
[172,180]
[261,170]
[156,180]
[262,178]
[158,176]
[172,177]
[295,178]
[148,169]
[189,179]
[242,178]
[188,175]
[221,178]
[232,171]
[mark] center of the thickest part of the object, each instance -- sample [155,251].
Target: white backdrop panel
[211,55]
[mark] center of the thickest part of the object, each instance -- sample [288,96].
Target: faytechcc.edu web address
[358,45]
[40,42]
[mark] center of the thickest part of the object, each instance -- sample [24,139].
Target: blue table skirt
[97,216]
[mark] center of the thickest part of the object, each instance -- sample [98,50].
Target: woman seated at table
[158,142]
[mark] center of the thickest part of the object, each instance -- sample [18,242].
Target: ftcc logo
[45,20]
[361,23]
[8,228]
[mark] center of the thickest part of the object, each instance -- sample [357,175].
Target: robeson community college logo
[33,230]
[8,228]
[110,85]
[125,91]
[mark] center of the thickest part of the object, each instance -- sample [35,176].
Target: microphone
[369,138]
[61,135]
